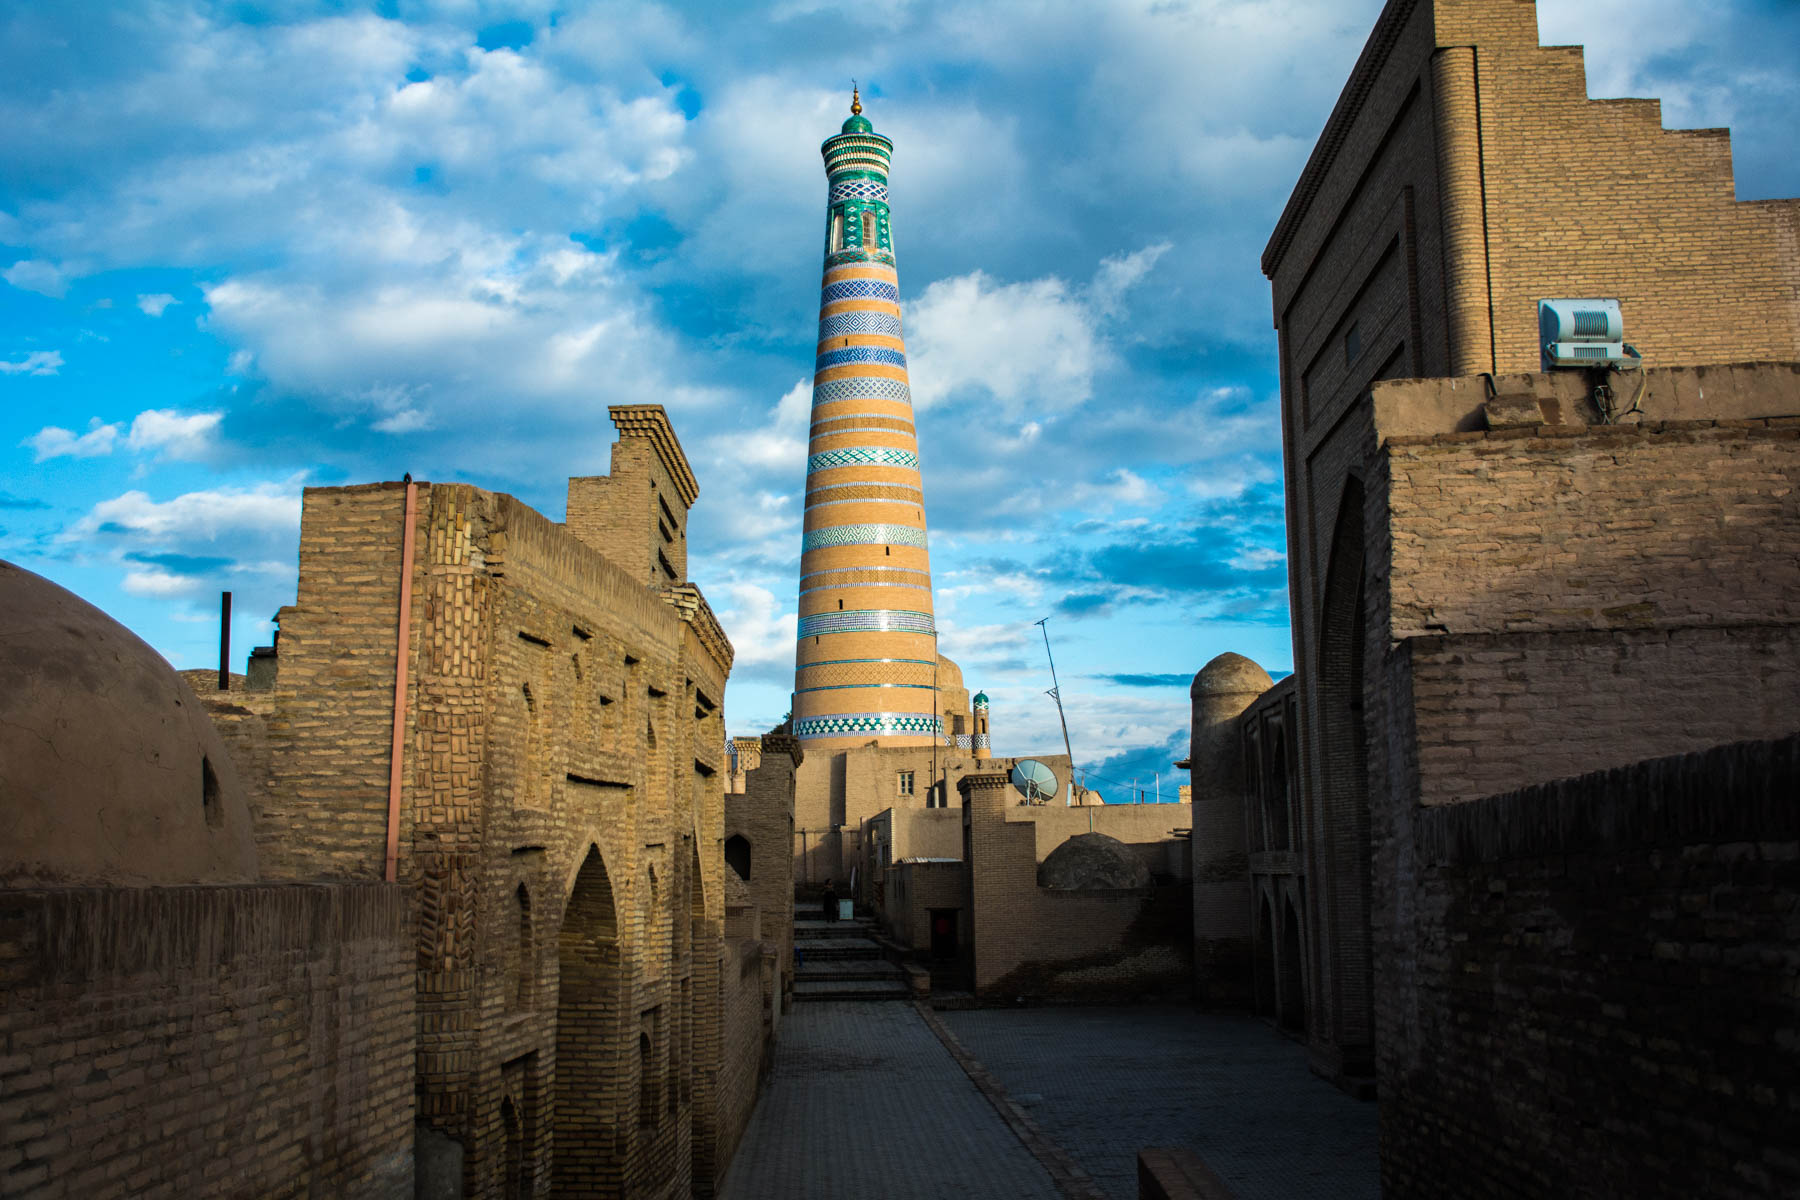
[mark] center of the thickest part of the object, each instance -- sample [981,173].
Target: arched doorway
[514,1185]
[590,1146]
[1264,950]
[1342,895]
[1292,987]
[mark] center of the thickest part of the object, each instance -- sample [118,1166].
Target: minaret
[980,744]
[865,663]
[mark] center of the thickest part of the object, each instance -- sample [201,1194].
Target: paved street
[865,1102]
[1110,1081]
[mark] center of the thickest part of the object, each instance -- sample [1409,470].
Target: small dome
[1093,860]
[949,675]
[858,124]
[981,700]
[1230,674]
[110,770]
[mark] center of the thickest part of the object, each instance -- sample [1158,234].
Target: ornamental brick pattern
[864,544]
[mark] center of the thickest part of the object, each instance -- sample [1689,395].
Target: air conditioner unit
[1583,333]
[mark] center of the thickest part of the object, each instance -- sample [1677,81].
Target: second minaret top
[856,165]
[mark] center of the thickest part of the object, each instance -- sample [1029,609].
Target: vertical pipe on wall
[402,639]
[1468,298]
[224,641]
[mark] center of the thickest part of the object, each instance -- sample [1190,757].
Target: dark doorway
[590,1141]
[737,855]
[944,945]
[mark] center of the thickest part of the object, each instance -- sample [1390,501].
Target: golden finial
[855,100]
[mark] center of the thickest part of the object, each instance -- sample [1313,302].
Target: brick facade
[561,817]
[1601,999]
[244,1040]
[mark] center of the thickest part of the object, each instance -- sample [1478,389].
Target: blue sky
[248,248]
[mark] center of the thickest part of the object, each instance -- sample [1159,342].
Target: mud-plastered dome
[1230,674]
[110,771]
[1093,860]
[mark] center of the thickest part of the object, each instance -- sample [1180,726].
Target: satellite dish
[1036,782]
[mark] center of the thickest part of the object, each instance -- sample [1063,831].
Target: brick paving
[865,1101]
[1102,1083]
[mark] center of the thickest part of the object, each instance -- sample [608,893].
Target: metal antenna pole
[1056,695]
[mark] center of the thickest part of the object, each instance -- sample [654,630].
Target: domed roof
[981,700]
[1230,673]
[949,675]
[858,124]
[1093,860]
[110,771]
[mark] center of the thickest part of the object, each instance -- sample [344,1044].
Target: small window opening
[840,606]
[210,802]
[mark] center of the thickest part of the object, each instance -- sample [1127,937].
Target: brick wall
[1585,599]
[747,1028]
[241,1041]
[1603,996]
[764,815]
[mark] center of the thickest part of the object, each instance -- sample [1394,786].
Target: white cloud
[154,303]
[37,362]
[53,441]
[36,275]
[1031,343]
[407,420]
[760,631]
[1119,274]
[174,434]
[196,517]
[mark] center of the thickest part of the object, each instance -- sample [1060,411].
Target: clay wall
[1021,939]
[241,1040]
[1147,828]
[1634,928]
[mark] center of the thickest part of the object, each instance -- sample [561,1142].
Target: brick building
[1504,576]
[1463,176]
[518,722]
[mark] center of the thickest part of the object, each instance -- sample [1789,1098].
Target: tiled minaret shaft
[866,661]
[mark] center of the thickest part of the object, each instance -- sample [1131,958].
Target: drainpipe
[402,637]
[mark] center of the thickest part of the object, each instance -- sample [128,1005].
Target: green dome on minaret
[857,122]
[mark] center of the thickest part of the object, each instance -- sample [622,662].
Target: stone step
[849,989]
[872,968]
[819,929]
[831,948]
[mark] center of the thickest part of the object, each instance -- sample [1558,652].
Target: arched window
[837,230]
[871,238]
